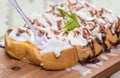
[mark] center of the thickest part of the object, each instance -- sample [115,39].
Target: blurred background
[9,17]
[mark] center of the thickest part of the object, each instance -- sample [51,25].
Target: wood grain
[11,68]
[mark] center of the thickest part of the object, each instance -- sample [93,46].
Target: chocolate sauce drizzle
[92,47]
[99,41]
[92,60]
[118,42]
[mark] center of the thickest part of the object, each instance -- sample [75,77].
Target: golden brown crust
[27,52]
[68,58]
[83,52]
[110,39]
[97,47]
[22,51]
[89,51]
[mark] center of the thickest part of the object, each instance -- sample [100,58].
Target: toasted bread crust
[68,58]
[28,52]
[22,51]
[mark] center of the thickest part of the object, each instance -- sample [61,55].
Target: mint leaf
[73,16]
[70,19]
[62,12]
[70,24]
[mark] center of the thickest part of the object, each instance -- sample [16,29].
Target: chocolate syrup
[107,51]
[105,46]
[92,60]
[92,47]
[118,33]
[118,42]
[9,31]
[99,42]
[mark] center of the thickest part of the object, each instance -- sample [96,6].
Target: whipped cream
[78,40]
[22,37]
[51,25]
[55,46]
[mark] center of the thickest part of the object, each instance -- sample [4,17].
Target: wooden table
[11,68]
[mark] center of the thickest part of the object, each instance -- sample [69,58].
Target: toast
[76,31]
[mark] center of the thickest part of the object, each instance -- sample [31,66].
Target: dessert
[75,30]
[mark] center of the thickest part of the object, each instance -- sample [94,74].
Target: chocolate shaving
[55,31]
[76,32]
[42,32]
[87,5]
[47,36]
[47,20]
[65,33]
[9,31]
[20,31]
[86,33]
[52,8]
[71,4]
[59,24]
[56,14]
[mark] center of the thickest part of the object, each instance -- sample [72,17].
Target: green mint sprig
[70,19]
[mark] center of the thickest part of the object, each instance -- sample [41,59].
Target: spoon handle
[38,37]
[19,10]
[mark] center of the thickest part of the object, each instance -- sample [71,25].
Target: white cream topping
[60,40]
[47,30]
[104,57]
[22,37]
[84,71]
[96,31]
[92,66]
[109,16]
[78,40]
[100,20]
[84,14]
[55,46]
[113,28]
[62,37]
[40,19]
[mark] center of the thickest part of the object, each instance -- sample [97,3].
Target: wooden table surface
[11,68]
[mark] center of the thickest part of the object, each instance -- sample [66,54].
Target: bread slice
[109,39]
[27,52]
[24,51]
[89,29]
[112,38]
[89,51]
